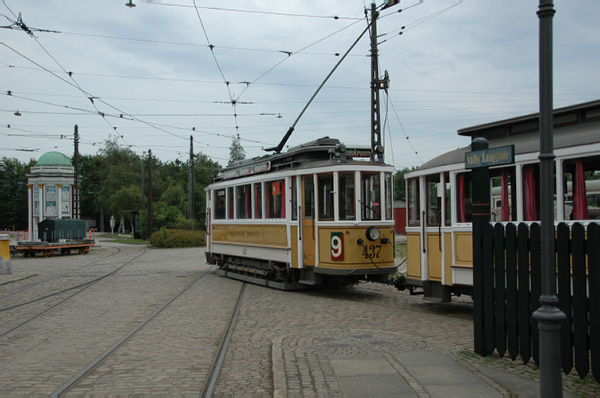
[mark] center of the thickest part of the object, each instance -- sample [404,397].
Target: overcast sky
[151,73]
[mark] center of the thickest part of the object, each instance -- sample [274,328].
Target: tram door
[433,227]
[308,220]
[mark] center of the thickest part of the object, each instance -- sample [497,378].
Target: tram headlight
[373,233]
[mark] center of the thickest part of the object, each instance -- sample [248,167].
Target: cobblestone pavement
[284,343]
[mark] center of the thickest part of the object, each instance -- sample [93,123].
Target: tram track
[29,286]
[84,286]
[215,366]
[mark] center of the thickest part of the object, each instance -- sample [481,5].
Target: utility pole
[376,85]
[150,215]
[191,181]
[549,316]
[76,210]
[143,194]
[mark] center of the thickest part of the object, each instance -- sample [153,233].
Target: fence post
[480,180]
[5,262]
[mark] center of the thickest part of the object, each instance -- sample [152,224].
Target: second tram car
[439,228]
[313,215]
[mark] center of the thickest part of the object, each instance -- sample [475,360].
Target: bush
[177,238]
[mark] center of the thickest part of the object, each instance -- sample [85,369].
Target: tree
[13,193]
[236,151]
[400,184]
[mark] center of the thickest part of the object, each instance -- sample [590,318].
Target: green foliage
[13,193]
[169,238]
[400,183]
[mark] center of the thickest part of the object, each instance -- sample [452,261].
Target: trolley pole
[549,316]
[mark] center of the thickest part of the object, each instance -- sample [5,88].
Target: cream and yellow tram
[313,215]
[439,238]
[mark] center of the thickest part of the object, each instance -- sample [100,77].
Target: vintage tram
[439,194]
[317,214]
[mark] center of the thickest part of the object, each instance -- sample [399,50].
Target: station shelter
[50,187]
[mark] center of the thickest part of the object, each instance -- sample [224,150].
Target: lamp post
[549,316]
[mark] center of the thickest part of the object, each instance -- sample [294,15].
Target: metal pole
[376,147]
[76,187]
[191,179]
[548,315]
[150,210]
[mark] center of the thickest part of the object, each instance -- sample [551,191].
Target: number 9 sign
[337,246]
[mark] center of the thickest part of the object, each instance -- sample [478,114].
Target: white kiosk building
[50,190]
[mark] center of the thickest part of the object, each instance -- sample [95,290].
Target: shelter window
[325,184]
[220,203]
[346,196]
[275,199]
[414,202]
[243,201]
[370,196]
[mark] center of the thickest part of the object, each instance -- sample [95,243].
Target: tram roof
[576,125]
[319,152]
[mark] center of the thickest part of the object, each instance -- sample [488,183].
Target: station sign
[490,157]
[245,171]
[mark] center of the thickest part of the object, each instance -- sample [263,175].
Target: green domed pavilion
[50,190]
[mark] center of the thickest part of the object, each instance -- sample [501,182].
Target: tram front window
[346,196]
[220,208]
[370,196]
[389,201]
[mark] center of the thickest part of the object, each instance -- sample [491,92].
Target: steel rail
[79,376]
[213,375]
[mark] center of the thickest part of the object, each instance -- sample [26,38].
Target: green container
[59,230]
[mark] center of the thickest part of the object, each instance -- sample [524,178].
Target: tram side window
[258,200]
[230,202]
[275,199]
[582,193]
[294,199]
[325,184]
[370,196]
[448,199]
[464,197]
[243,201]
[434,201]
[220,203]
[531,187]
[503,204]
[414,202]
[389,201]
[346,196]
[309,195]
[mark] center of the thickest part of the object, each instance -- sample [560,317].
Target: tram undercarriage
[281,276]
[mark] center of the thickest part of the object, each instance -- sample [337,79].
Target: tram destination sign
[490,157]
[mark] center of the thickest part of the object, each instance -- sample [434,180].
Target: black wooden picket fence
[511,287]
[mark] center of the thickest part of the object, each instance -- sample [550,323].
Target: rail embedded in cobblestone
[82,374]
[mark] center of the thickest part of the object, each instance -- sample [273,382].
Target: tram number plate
[337,246]
[371,251]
